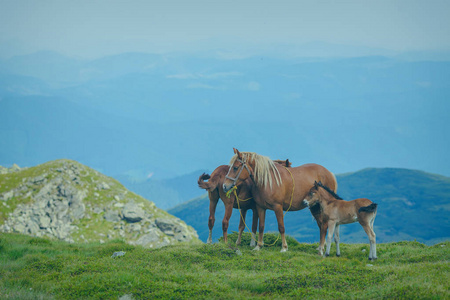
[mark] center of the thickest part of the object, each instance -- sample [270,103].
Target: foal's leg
[262,219]
[336,240]
[226,220]
[374,250]
[213,199]
[331,226]
[254,227]
[280,219]
[323,234]
[372,239]
[241,225]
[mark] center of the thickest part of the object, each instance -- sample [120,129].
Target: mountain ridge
[107,106]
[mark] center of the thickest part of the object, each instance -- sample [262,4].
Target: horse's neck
[252,165]
[326,198]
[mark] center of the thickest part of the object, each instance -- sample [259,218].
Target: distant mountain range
[170,115]
[165,193]
[412,205]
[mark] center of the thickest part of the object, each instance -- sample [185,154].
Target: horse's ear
[288,163]
[236,151]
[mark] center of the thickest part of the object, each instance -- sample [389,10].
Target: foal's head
[285,163]
[318,192]
[313,195]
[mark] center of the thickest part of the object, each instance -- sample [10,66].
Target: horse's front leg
[262,218]
[241,225]
[254,227]
[226,219]
[331,227]
[213,199]
[280,219]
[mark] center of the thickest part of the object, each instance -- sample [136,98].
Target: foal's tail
[369,209]
[203,184]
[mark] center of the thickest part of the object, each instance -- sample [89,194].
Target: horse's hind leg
[374,244]
[336,240]
[254,227]
[372,239]
[213,199]
[241,225]
[331,226]
[280,219]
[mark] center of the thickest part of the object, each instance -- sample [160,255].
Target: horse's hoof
[327,254]
[338,255]
[283,249]
[257,248]
[370,258]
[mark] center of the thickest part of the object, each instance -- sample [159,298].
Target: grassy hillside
[66,200]
[412,205]
[37,268]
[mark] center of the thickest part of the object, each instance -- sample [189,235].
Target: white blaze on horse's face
[236,175]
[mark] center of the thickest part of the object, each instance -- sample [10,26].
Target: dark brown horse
[214,186]
[330,211]
[274,186]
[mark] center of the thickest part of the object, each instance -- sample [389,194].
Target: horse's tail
[369,209]
[335,183]
[202,183]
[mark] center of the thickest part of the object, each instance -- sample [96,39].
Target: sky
[96,28]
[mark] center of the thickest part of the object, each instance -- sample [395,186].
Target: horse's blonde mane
[264,168]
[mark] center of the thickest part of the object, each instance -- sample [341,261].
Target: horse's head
[239,171]
[313,195]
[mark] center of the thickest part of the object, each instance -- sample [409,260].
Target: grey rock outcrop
[68,201]
[55,207]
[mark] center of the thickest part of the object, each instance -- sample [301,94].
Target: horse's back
[313,172]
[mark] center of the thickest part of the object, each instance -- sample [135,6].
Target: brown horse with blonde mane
[214,186]
[330,211]
[275,187]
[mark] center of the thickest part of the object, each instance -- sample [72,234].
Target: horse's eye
[235,168]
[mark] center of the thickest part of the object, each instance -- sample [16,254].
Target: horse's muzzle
[226,188]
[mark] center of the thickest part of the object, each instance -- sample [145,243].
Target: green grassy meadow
[37,268]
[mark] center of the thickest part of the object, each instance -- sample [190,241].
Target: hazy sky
[95,28]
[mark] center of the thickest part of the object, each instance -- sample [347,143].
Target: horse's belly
[348,219]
